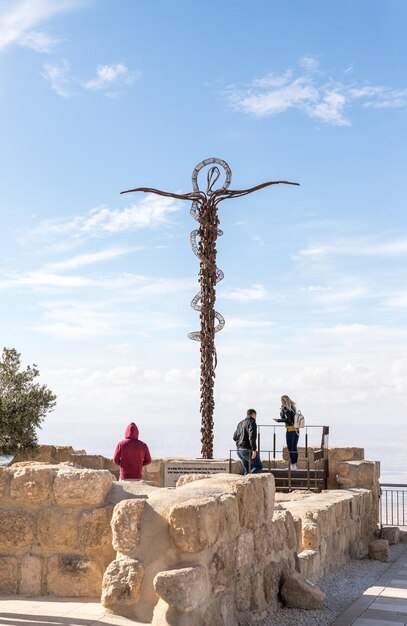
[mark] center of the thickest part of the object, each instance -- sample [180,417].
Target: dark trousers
[245,457]
[292,440]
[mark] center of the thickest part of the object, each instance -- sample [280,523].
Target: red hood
[131,431]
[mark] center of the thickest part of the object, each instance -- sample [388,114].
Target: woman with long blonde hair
[287,415]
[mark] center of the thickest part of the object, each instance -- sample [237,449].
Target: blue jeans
[292,441]
[245,456]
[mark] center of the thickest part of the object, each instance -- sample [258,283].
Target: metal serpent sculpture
[205,211]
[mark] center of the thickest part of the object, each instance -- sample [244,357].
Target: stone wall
[214,551]
[55,530]
[331,527]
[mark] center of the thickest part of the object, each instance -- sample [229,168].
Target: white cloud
[18,19]
[89,258]
[109,77]
[149,212]
[364,247]
[59,77]
[250,294]
[318,96]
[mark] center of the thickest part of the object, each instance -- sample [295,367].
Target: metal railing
[393,504]
[316,471]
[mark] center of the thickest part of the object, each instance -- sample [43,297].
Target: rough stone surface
[31,575]
[185,588]
[245,549]
[57,528]
[31,484]
[299,593]
[391,533]
[221,569]
[17,529]
[4,478]
[8,574]
[126,524]
[190,478]
[122,582]
[81,487]
[74,575]
[94,528]
[379,550]
[309,563]
[196,524]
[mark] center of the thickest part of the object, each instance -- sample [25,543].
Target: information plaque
[174,469]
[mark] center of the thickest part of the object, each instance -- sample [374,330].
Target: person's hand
[254,454]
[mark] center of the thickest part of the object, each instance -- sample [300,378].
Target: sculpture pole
[205,211]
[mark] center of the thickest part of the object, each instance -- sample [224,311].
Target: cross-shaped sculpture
[205,211]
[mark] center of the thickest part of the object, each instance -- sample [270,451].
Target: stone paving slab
[384,604]
[22,611]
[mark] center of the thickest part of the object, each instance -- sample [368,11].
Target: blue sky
[102,96]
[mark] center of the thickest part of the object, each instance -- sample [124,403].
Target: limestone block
[283,532]
[403,536]
[81,487]
[88,461]
[17,529]
[391,533]
[254,497]
[57,528]
[245,550]
[336,455]
[73,575]
[299,593]
[125,524]
[31,575]
[185,588]
[243,591]
[362,474]
[122,582]
[8,574]
[221,569]
[4,478]
[94,528]
[261,542]
[379,550]
[310,535]
[258,600]
[31,484]
[185,479]
[197,524]
[230,506]
[309,563]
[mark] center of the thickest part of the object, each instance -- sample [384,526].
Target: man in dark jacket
[131,454]
[246,443]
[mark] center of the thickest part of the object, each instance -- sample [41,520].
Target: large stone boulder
[126,522]
[122,582]
[379,550]
[185,588]
[300,593]
[81,487]
[196,525]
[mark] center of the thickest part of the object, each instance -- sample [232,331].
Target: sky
[100,96]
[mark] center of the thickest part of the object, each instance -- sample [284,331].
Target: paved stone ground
[21,611]
[384,604]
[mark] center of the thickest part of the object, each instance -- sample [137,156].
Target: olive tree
[23,404]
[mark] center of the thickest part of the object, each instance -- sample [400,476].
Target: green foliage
[23,404]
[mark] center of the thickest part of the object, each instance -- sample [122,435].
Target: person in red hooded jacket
[131,454]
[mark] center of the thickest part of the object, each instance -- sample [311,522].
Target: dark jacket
[286,416]
[246,434]
[131,454]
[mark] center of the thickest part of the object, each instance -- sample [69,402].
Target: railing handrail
[393,485]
